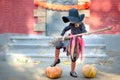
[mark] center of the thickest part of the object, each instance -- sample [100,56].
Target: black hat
[73,16]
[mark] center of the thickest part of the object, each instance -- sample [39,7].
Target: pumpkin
[89,71]
[53,72]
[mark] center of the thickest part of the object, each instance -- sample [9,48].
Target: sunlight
[95,20]
[30,23]
[106,6]
[96,5]
[19,61]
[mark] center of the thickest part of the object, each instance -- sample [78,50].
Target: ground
[108,69]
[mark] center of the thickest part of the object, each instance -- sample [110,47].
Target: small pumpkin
[89,71]
[53,72]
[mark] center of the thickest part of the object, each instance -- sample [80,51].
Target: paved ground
[108,69]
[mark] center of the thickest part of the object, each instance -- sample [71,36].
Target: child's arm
[65,29]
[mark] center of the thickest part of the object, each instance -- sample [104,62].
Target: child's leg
[59,45]
[57,53]
[57,60]
[73,65]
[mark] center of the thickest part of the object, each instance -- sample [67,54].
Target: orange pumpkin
[53,72]
[89,71]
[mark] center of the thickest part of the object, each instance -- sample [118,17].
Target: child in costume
[76,44]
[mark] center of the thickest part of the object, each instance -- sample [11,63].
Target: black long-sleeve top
[74,30]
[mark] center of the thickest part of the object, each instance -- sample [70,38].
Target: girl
[75,47]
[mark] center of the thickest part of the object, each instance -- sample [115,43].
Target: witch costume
[75,47]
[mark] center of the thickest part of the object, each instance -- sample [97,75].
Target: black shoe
[55,63]
[73,74]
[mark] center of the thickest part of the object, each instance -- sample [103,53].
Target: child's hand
[62,37]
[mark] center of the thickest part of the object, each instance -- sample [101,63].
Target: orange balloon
[87,5]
